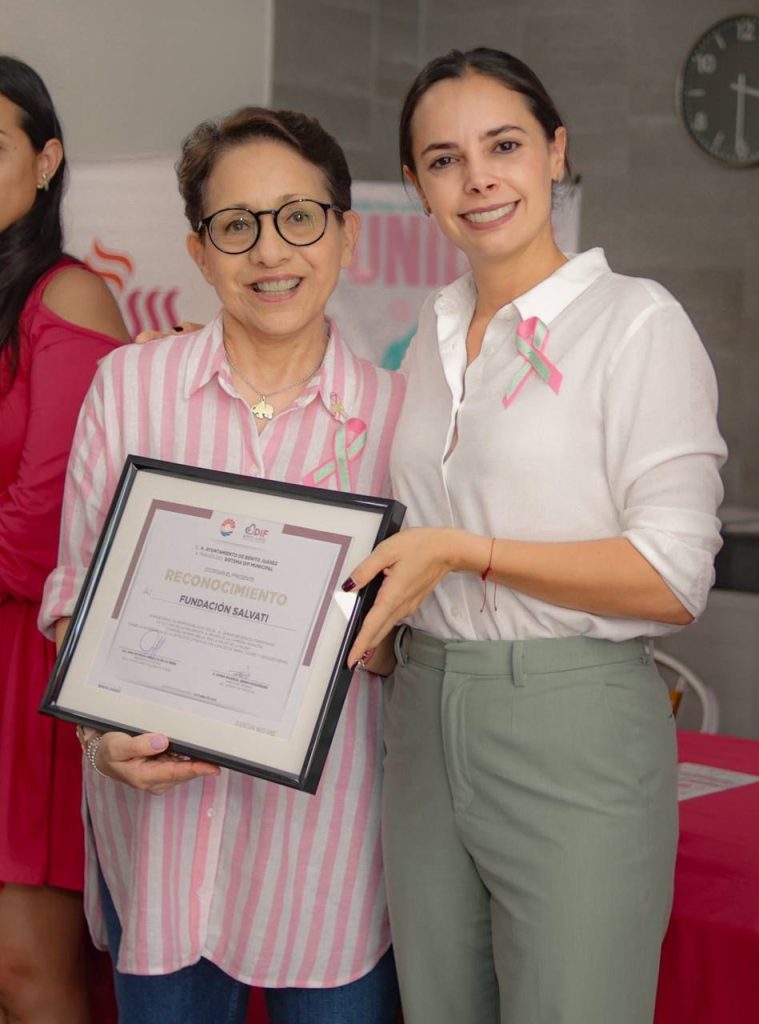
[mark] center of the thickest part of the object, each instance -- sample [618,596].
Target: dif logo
[227,527]
[256,531]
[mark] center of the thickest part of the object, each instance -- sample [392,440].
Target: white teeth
[285,285]
[487,215]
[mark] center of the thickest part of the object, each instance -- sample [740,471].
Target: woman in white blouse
[559,455]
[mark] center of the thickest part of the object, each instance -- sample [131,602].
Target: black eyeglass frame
[257,214]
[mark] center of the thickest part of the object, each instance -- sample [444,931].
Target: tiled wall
[657,205]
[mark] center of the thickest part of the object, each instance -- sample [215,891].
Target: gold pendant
[262,410]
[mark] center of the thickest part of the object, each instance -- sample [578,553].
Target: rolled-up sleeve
[664,450]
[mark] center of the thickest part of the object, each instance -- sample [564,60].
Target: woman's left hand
[413,561]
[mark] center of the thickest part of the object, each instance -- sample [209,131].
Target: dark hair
[505,68]
[34,243]
[203,147]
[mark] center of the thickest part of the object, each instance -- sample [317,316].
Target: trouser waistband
[517,658]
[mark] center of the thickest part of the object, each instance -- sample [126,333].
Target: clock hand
[740,86]
[740,116]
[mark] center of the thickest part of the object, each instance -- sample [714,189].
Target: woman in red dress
[57,319]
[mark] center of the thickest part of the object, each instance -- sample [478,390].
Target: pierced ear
[558,154]
[48,161]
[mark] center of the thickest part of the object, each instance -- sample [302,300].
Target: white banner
[125,220]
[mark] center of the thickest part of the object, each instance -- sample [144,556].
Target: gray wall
[657,205]
[133,78]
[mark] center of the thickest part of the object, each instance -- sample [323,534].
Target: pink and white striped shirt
[277,887]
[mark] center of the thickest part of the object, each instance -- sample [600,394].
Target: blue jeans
[204,994]
[373,999]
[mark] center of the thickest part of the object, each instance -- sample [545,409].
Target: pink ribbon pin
[350,441]
[532,339]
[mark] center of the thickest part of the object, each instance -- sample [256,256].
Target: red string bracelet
[484,578]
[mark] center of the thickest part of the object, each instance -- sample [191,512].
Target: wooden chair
[682,681]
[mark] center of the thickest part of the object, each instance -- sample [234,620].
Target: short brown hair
[203,147]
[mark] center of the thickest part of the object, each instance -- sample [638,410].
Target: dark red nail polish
[177,330]
[350,584]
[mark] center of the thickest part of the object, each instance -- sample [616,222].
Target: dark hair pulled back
[34,243]
[505,68]
[203,147]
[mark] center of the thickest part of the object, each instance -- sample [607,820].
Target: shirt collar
[338,377]
[336,381]
[552,296]
[206,358]
[546,300]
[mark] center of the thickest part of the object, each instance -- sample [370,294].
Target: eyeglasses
[236,229]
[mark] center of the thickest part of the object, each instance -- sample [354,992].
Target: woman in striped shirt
[200,881]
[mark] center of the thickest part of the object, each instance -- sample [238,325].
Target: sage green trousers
[530,829]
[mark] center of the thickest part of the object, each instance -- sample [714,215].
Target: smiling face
[485,168]
[276,291]
[19,172]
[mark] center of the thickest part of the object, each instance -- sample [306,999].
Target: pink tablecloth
[710,959]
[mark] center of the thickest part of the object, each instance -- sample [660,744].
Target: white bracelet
[85,733]
[91,753]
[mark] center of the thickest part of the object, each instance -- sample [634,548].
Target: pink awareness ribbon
[532,338]
[350,441]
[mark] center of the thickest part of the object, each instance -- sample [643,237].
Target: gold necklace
[263,409]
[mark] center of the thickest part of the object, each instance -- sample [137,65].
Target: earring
[45,183]
[426,208]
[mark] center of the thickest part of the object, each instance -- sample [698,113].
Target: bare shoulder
[83,298]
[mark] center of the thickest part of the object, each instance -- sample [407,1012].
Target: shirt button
[210,812]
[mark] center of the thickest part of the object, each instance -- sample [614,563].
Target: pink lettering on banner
[402,249]
[365,265]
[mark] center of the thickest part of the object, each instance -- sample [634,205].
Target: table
[710,957]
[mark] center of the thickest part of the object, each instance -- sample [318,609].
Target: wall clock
[718,91]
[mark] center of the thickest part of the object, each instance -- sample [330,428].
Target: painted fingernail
[177,329]
[350,584]
[157,742]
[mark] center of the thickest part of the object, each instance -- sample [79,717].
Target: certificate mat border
[97,600]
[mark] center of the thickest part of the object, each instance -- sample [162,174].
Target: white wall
[132,78]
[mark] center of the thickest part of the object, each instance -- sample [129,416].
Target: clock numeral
[718,139]
[700,121]
[742,149]
[706,63]
[745,30]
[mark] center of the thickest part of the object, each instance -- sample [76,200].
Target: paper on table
[701,779]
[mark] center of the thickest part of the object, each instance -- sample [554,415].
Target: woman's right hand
[186,325]
[142,762]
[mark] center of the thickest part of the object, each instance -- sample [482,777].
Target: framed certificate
[212,612]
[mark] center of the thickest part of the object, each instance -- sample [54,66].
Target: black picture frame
[156,499]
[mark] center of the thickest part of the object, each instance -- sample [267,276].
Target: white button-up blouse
[589,413]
